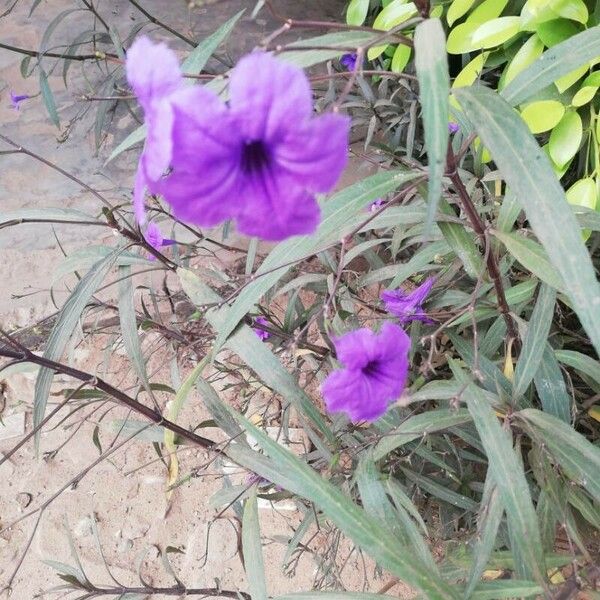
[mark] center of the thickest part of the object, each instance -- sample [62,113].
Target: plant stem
[480,229]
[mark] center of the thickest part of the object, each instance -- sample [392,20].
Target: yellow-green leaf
[530,51]
[565,82]
[391,16]
[487,10]
[584,95]
[576,10]
[357,12]
[459,39]
[457,9]
[583,193]
[471,71]
[565,138]
[542,115]
[401,58]
[556,31]
[495,32]
[535,12]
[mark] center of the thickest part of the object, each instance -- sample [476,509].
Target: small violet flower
[261,333]
[376,205]
[259,159]
[155,238]
[16,99]
[348,61]
[453,127]
[374,374]
[408,306]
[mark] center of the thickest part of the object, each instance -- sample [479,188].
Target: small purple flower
[408,306]
[261,333]
[376,205]
[260,159]
[155,238]
[453,127]
[374,374]
[16,99]
[348,61]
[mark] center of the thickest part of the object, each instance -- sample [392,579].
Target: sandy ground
[123,498]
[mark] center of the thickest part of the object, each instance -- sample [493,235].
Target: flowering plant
[411,368]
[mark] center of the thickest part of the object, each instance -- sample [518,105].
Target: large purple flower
[260,159]
[408,307]
[374,374]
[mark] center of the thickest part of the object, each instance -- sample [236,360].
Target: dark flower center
[371,369]
[255,156]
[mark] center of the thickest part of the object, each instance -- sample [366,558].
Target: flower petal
[152,71]
[268,97]
[317,152]
[356,348]
[275,207]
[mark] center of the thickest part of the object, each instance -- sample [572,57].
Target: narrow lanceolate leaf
[551,387]
[535,340]
[559,60]
[252,547]
[579,458]
[431,62]
[198,57]
[488,522]
[418,427]
[50,214]
[48,98]
[337,213]
[508,474]
[64,327]
[257,355]
[282,467]
[129,326]
[539,192]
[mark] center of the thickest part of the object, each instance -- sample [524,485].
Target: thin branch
[480,229]
[64,56]
[154,20]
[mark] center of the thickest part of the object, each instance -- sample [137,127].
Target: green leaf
[401,57]
[556,31]
[581,362]
[395,13]
[507,588]
[418,427]
[48,97]
[63,328]
[509,477]
[461,241]
[542,197]
[283,468]
[252,548]
[339,41]
[534,341]
[487,10]
[257,355]
[457,9]
[199,56]
[14,217]
[553,64]
[584,95]
[551,387]
[532,256]
[579,458]
[488,522]
[542,115]
[575,10]
[434,85]
[460,39]
[357,12]
[528,53]
[495,32]
[565,138]
[129,326]
[338,214]
[135,137]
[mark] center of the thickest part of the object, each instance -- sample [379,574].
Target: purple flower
[155,238]
[261,333]
[16,99]
[374,374]
[348,61]
[260,159]
[376,205]
[453,127]
[408,307]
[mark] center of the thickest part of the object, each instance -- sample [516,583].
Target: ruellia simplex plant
[433,327]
